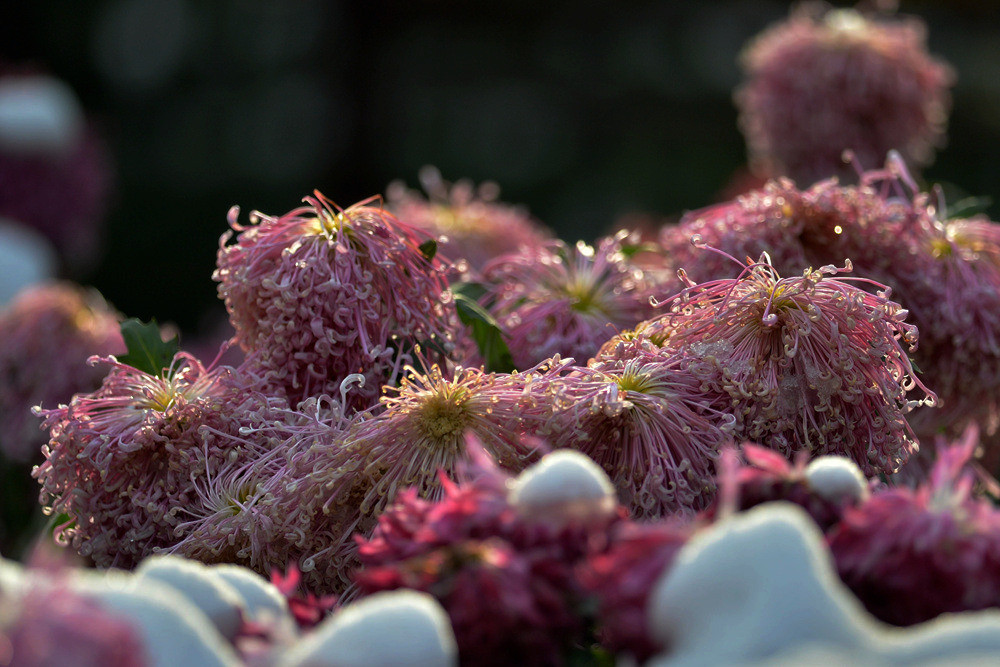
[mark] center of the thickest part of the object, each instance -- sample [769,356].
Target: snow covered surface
[262,601]
[836,478]
[383,630]
[216,598]
[565,483]
[39,115]
[759,588]
[174,630]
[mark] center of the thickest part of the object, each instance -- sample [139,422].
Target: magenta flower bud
[913,554]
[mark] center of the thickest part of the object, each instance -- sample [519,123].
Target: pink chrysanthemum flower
[911,555]
[122,462]
[825,81]
[808,362]
[322,293]
[955,300]
[945,272]
[507,580]
[475,225]
[647,423]
[758,221]
[426,421]
[49,624]
[554,299]
[48,333]
[621,580]
[306,499]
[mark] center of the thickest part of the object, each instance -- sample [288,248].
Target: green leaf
[630,250]
[147,351]
[968,207]
[428,249]
[484,329]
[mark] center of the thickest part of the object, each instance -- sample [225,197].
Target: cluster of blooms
[944,272]
[48,333]
[322,293]
[825,81]
[474,227]
[501,566]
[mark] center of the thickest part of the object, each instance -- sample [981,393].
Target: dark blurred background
[584,111]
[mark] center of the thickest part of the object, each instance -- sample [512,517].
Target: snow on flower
[913,554]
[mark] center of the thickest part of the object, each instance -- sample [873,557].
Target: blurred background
[583,111]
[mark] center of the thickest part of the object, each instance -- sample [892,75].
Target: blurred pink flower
[827,80]
[506,579]
[555,299]
[911,555]
[48,333]
[475,225]
[50,625]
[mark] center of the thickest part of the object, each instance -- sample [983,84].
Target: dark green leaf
[485,332]
[428,249]
[632,249]
[474,291]
[968,207]
[147,351]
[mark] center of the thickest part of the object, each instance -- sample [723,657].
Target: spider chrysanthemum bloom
[955,301]
[807,362]
[304,500]
[823,82]
[910,555]
[48,333]
[557,299]
[322,293]
[647,423]
[476,226]
[426,420]
[123,461]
